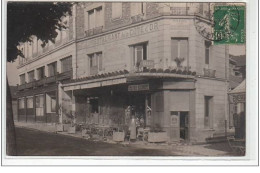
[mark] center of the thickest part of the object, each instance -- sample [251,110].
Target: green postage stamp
[229,24]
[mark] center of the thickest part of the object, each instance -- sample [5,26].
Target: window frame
[29,77]
[24,79]
[95,61]
[55,69]
[43,72]
[65,60]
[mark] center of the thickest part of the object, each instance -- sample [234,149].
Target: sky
[12,73]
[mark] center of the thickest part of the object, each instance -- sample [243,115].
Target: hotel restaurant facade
[145,60]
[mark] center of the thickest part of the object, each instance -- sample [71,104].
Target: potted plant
[157,134]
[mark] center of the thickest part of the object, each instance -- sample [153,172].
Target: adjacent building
[118,60]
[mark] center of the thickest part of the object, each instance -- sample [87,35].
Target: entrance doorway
[184,125]
[140,105]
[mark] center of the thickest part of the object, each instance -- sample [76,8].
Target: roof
[240,60]
[241,88]
[234,81]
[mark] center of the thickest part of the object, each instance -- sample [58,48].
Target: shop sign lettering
[141,87]
[136,31]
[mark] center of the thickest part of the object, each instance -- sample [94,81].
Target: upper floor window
[52,69]
[179,51]
[22,79]
[137,8]
[95,62]
[116,10]
[207,51]
[139,54]
[40,73]
[66,64]
[95,18]
[30,76]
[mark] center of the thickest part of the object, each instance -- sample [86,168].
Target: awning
[122,77]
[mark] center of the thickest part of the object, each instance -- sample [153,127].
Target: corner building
[145,60]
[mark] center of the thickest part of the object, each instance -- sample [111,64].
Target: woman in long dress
[132,128]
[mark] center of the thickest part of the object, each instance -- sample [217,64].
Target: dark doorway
[184,125]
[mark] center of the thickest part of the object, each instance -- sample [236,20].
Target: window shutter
[100,59]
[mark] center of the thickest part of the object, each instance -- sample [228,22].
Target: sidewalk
[215,149]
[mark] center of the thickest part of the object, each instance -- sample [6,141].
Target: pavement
[175,149]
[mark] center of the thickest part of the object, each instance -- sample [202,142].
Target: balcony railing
[209,73]
[46,80]
[94,31]
[148,64]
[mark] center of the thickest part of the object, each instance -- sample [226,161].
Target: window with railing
[31,76]
[95,62]
[139,54]
[40,73]
[22,79]
[179,52]
[66,64]
[52,69]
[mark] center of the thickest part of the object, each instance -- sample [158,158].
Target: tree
[24,20]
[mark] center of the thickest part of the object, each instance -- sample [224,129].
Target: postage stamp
[229,24]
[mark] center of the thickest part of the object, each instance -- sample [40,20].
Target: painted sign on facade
[136,31]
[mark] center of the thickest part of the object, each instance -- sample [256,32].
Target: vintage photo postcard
[130,82]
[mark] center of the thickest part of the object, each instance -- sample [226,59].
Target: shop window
[179,51]
[66,64]
[30,76]
[116,10]
[29,102]
[94,105]
[95,62]
[22,79]
[51,102]
[208,111]
[39,103]
[40,73]
[140,54]
[207,51]
[52,69]
[21,103]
